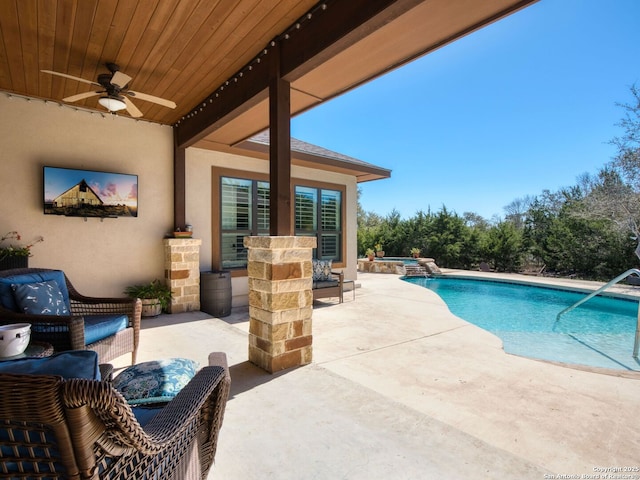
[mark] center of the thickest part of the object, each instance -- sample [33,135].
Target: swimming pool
[405,260]
[599,333]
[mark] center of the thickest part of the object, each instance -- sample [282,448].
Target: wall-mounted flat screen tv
[89,193]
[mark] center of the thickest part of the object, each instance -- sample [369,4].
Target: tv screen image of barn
[89,193]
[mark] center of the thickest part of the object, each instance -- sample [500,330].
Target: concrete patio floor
[399,388]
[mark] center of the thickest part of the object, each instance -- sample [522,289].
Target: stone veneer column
[280,301]
[182,273]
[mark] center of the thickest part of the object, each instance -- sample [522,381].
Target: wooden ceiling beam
[333,28]
[329,27]
[226,102]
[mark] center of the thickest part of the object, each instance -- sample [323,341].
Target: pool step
[415,271]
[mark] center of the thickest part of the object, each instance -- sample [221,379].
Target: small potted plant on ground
[370,254]
[415,252]
[155,296]
[379,251]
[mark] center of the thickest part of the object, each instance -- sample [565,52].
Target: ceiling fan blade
[81,96]
[120,79]
[132,109]
[151,98]
[71,77]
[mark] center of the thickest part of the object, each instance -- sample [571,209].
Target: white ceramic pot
[14,339]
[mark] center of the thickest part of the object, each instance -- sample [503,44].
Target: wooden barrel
[215,293]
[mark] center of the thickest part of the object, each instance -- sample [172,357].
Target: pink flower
[16,250]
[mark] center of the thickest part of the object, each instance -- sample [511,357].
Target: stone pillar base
[182,273]
[280,301]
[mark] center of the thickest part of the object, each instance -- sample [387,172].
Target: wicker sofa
[83,428]
[109,326]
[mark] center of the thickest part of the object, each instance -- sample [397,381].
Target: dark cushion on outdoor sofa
[325,284]
[7,297]
[71,364]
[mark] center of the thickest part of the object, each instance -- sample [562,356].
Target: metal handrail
[636,343]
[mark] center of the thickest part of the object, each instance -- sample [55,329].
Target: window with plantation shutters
[262,207]
[306,210]
[244,211]
[318,214]
[330,208]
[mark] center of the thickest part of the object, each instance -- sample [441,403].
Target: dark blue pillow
[41,298]
[71,364]
[6,292]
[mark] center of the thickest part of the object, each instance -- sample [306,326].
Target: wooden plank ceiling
[186,50]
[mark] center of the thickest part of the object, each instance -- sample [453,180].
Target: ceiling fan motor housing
[104,79]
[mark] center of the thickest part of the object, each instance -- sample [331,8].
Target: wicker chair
[68,332]
[84,429]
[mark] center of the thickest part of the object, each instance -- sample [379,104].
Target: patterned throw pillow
[156,381]
[41,298]
[321,270]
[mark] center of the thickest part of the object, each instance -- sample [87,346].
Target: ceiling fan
[115,94]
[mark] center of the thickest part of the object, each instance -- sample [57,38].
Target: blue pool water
[598,333]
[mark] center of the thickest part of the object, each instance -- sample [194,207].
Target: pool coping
[621,291]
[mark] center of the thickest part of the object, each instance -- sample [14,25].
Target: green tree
[445,241]
[614,193]
[503,247]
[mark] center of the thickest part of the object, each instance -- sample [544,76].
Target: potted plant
[415,252]
[370,254]
[15,256]
[155,296]
[379,251]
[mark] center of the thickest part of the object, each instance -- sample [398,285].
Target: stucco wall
[100,257]
[198,205]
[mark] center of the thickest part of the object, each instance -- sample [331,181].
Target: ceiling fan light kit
[112,104]
[116,88]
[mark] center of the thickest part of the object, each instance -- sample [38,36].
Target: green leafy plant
[369,252]
[152,290]
[415,251]
[16,250]
[378,247]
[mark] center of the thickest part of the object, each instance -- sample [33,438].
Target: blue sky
[523,105]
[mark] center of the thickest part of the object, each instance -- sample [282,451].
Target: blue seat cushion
[7,298]
[40,298]
[98,327]
[70,364]
[157,381]
[145,413]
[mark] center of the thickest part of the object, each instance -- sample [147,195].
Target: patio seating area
[61,316]
[400,388]
[60,419]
